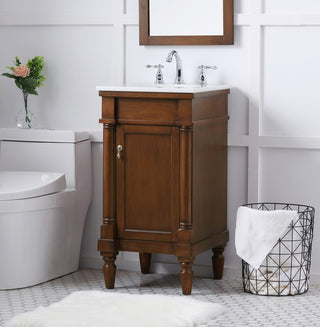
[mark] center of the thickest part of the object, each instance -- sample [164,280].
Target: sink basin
[164,88]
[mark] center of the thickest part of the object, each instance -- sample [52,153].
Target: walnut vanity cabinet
[165,178]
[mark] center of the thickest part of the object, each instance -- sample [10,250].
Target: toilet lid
[15,185]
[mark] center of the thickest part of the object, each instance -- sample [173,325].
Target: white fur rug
[102,309]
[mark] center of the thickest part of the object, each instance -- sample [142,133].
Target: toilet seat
[17,185]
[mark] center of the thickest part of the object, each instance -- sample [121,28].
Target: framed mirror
[185,22]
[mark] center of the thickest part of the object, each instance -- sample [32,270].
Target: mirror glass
[185,22]
[185,17]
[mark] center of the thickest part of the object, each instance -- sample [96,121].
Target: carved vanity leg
[109,269]
[145,261]
[218,262]
[107,242]
[186,275]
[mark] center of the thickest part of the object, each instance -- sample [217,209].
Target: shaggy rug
[102,309]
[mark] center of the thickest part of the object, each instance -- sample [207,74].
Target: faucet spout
[179,74]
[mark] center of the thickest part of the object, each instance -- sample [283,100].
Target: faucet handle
[154,66]
[207,67]
[159,75]
[202,76]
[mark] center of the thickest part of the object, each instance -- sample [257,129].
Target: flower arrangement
[27,78]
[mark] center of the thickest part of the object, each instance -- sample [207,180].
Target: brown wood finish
[167,191]
[147,181]
[147,39]
[209,168]
[145,261]
[186,274]
[218,262]
[108,229]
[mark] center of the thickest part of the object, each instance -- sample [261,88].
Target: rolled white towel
[257,231]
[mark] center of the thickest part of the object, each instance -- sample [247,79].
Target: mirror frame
[146,39]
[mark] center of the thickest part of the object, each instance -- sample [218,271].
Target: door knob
[119,149]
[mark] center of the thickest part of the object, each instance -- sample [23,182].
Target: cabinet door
[148,182]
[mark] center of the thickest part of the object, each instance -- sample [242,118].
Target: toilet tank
[59,151]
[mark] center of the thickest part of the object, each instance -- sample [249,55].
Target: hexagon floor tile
[243,309]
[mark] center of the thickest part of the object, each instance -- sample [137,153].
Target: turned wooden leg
[218,262]
[145,261]
[109,270]
[186,275]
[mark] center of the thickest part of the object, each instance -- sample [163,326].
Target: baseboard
[157,267]
[198,270]
[87,262]
[315,278]
[131,264]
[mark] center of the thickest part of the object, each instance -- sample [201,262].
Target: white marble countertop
[164,88]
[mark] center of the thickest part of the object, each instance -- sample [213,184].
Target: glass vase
[25,117]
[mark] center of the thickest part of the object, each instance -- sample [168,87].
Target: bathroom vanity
[164,175]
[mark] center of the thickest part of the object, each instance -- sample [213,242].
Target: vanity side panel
[210,105]
[209,177]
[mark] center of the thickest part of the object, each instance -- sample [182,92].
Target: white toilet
[45,192]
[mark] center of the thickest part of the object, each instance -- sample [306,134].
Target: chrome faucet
[179,75]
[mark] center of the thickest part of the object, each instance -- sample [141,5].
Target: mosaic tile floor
[243,309]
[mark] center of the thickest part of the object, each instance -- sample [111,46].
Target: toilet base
[38,239]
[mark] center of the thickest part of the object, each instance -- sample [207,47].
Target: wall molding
[239,140]
[56,19]
[68,19]
[285,142]
[277,19]
[246,19]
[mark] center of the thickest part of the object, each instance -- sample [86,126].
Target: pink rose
[21,71]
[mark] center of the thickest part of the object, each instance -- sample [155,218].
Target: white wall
[273,70]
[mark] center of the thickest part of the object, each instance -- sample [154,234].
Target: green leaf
[9,75]
[28,85]
[17,61]
[32,92]
[36,66]
[17,81]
